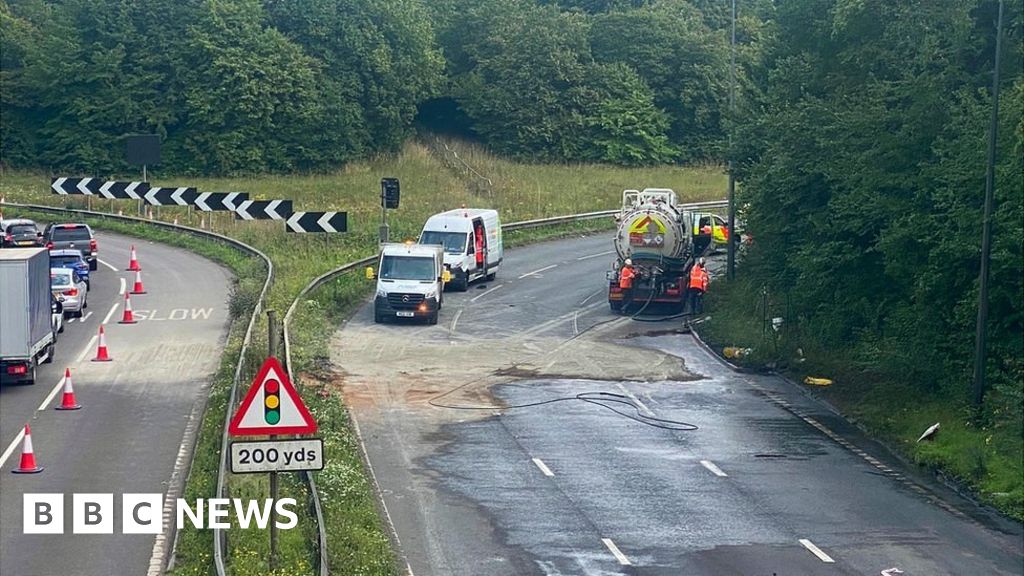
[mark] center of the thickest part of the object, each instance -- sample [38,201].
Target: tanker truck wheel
[615,305]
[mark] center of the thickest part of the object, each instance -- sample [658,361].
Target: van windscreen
[407,268]
[453,242]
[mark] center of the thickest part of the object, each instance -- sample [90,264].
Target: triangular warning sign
[271,406]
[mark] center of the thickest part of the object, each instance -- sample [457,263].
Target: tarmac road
[772,481]
[139,411]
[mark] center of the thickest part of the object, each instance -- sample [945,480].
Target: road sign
[271,406]
[123,190]
[182,196]
[264,210]
[317,222]
[65,186]
[277,456]
[218,201]
[389,192]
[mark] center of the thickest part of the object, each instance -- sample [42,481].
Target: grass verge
[984,459]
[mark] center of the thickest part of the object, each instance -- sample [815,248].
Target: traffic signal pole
[272,340]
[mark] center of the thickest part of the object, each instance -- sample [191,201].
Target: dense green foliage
[864,170]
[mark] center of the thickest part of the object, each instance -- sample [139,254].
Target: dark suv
[73,237]
[19,232]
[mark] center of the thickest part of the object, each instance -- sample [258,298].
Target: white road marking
[618,553]
[543,467]
[12,446]
[111,313]
[455,320]
[816,551]
[123,285]
[537,271]
[714,469]
[891,571]
[107,264]
[84,318]
[643,407]
[596,255]
[587,299]
[53,393]
[475,298]
[575,325]
[88,347]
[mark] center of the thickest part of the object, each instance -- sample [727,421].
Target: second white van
[472,243]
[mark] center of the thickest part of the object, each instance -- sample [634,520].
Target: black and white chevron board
[264,210]
[113,190]
[182,196]
[317,222]
[219,201]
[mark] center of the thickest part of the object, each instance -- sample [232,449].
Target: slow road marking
[537,271]
[543,467]
[816,551]
[615,551]
[714,469]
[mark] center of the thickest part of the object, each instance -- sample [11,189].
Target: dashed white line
[455,320]
[543,467]
[714,469]
[88,347]
[596,255]
[53,393]
[475,298]
[537,271]
[84,318]
[123,286]
[108,265]
[111,313]
[575,324]
[816,551]
[616,552]
[12,446]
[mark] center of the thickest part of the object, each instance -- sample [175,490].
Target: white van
[410,281]
[472,243]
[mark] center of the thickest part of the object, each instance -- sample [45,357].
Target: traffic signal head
[389,192]
[272,401]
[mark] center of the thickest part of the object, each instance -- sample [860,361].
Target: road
[771,482]
[130,434]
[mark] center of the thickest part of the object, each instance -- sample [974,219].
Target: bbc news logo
[144,513]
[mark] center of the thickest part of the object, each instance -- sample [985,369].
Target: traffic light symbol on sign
[389,192]
[272,402]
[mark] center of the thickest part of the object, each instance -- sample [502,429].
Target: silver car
[67,284]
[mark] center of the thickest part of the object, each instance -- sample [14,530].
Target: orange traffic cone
[101,352]
[28,458]
[127,317]
[133,263]
[138,289]
[69,402]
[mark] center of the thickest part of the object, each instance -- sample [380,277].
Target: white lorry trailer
[27,336]
[410,282]
[473,246]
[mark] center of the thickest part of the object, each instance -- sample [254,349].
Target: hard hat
[628,262]
[702,260]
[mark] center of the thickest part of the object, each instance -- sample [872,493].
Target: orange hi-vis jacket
[699,278]
[626,276]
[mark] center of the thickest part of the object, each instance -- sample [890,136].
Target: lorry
[655,233]
[27,332]
[473,246]
[410,282]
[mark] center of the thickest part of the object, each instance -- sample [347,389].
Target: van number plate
[405,314]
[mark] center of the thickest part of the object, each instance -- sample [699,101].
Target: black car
[75,236]
[19,233]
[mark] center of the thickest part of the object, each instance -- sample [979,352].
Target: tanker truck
[654,232]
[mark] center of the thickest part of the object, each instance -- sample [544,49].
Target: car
[67,284]
[19,233]
[56,314]
[71,259]
[76,236]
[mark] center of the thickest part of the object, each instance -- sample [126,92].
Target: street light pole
[980,334]
[731,240]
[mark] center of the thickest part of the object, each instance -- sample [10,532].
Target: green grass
[358,543]
[985,459]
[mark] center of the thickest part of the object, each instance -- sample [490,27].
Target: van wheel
[490,277]
[432,319]
[462,284]
[378,319]
[50,353]
[93,264]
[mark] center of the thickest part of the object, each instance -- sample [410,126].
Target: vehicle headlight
[382,293]
[430,294]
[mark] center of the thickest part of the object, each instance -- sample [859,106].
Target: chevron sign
[264,210]
[216,201]
[95,187]
[170,196]
[317,222]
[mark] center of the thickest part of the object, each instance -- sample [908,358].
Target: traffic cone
[127,317]
[133,264]
[69,402]
[101,352]
[138,289]
[28,458]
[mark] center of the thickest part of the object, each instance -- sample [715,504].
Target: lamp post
[731,241]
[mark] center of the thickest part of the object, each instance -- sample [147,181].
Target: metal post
[144,179]
[272,340]
[730,266]
[986,233]
[384,230]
